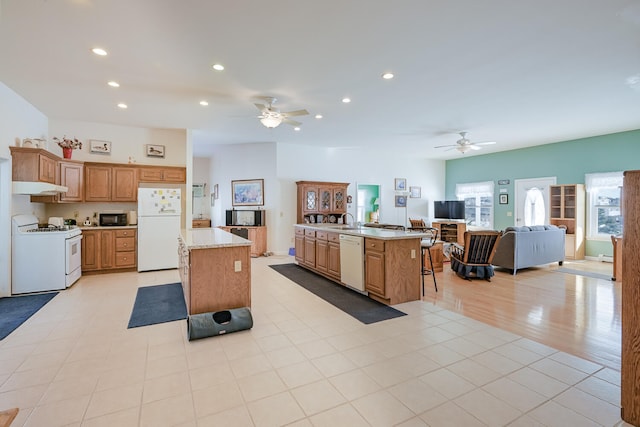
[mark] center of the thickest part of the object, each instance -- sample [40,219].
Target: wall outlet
[509,213]
[413,253]
[76,214]
[237,266]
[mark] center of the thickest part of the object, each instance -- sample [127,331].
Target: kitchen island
[215,270]
[389,261]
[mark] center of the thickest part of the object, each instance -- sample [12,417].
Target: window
[478,203]
[604,214]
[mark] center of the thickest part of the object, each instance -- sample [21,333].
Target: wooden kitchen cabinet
[322,252]
[257,235]
[392,270]
[211,280]
[33,164]
[163,174]
[333,255]
[70,174]
[374,266]
[310,248]
[109,250]
[98,182]
[124,184]
[90,250]
[200,223]
[320,201]
[299,245]
[106,182]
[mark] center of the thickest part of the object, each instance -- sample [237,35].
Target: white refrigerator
[158,228]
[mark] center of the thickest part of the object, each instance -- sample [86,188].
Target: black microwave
[113,219]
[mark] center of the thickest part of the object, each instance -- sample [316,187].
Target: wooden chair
[474,259]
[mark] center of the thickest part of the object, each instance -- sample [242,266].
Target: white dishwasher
[352,261]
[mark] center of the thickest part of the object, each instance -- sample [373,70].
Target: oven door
[73,254]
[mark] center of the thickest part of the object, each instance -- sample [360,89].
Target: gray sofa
[522,247]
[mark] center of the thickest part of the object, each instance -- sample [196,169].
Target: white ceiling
[521,73]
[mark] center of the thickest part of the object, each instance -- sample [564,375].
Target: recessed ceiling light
[218,67]
[387,76]
[113,84]
[346,100]
[99,51]
[123,106]
[297,128]
[318,116]
[204,103]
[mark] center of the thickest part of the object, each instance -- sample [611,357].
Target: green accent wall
[568,161]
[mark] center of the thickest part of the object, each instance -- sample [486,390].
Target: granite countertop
[203,238]
[111,227]
[376,233]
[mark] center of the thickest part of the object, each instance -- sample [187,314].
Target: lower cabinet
[257,235]
[392,270]
[310,248]
[374,266]
[299,245]
[216,278]
[322,252]
[108,250]
[333,256]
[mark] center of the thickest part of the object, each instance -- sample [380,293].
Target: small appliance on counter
[133,217]
[56,221]
[113,219]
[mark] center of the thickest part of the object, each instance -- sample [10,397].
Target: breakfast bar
[215,270]
[386,266]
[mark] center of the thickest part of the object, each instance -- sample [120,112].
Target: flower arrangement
[68,142]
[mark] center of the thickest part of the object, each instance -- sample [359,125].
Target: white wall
[18,120]
[281,165]
[127,142]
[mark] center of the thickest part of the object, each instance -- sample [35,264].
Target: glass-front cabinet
[320,202]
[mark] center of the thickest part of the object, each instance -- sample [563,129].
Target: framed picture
[504,199]
[248,192]
[401,201]
[415,192]
[154,150]
[400,184]
[100,147]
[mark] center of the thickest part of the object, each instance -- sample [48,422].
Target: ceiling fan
[463,144]
[271,117]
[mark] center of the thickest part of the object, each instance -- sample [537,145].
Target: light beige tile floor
[304,363]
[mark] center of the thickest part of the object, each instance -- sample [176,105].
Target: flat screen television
[448,209]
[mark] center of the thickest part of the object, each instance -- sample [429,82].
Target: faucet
[352,218]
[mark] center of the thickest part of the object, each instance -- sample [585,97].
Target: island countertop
[201,238]
[376,233]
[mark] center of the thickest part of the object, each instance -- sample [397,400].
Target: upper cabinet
[33,164]
[88,181]
[162,174]
[321,201]
[110,183]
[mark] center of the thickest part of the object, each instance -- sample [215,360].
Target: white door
[532,201]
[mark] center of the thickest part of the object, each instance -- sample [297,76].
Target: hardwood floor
[576,314]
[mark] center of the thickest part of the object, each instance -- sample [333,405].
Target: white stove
[43,258]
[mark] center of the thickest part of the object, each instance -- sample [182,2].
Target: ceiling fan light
[463,148]
[271,121]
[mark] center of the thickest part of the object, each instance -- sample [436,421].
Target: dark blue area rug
[158,304]
[15,310]
[353,303]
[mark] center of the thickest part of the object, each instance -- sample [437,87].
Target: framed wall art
[504,199]
[99,147]
[400,184]
[401,201]
[415,192]
[153,150]
[247,192]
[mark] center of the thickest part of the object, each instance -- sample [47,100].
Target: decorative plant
[68,142]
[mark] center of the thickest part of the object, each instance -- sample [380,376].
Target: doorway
[367,203]
[532,201]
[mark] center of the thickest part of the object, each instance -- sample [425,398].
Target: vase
[66,152]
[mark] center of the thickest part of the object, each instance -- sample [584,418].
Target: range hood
[37,188]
